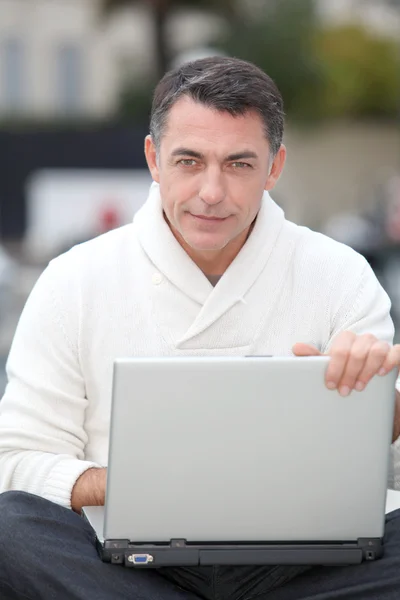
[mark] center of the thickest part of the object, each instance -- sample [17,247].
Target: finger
[355,363]
[301,349]
[392,360]
[339,352]
[375,360]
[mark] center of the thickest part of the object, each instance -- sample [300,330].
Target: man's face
[212,169]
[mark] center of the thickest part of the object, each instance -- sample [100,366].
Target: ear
[151,158]
[276,168]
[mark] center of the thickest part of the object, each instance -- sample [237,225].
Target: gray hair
[225,84]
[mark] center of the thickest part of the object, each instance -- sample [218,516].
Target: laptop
[243,460]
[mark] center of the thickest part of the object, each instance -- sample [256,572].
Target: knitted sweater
[135,292]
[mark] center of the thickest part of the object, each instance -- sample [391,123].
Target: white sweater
[135,292]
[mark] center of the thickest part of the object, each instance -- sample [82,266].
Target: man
[209,266]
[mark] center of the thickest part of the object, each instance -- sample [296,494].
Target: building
[60,58]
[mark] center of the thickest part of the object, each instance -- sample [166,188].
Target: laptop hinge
[116,551]
[371,548]
[178,543]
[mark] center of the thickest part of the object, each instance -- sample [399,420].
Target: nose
[212,189]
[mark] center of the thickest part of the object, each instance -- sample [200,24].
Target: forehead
[192,123]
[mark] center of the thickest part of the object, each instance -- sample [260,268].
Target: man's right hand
[89,489]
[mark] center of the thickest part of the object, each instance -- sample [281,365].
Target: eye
[187,162]
[240,165]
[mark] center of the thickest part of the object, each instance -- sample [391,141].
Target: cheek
[248,204]
[179,191]
[246,186]
[175,198]
[245,195]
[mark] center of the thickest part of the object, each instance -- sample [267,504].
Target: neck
[214,262]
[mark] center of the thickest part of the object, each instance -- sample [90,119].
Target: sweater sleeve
[42,413]
[365,308]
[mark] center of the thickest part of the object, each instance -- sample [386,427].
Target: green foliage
[226,7]
[341,71]
[135,104]
[361,73]
[281,44]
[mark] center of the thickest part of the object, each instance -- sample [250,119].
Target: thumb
[301,349]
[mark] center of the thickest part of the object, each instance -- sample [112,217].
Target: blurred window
[13,74]
[69,75]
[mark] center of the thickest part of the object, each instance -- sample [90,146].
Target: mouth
[209,219]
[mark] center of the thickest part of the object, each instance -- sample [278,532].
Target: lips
[204,218]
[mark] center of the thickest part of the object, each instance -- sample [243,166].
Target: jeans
[49,552]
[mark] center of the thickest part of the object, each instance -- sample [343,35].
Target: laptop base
[180,553]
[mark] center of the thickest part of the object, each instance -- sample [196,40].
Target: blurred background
[76,78]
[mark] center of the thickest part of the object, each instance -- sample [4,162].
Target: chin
[206,244]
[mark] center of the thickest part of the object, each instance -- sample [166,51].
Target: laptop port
[140,559]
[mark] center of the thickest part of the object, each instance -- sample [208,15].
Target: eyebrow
[240,155]
[187,152]
[236,156]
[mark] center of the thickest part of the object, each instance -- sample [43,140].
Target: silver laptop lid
[245,449]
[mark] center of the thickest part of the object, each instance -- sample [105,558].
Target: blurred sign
[66,207]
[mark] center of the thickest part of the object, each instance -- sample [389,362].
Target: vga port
[140,559]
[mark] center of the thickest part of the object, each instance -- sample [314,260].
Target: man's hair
[224,84]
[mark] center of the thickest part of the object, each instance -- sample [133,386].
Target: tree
[362,73]
[280,41]
[161,9]
[321,71]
